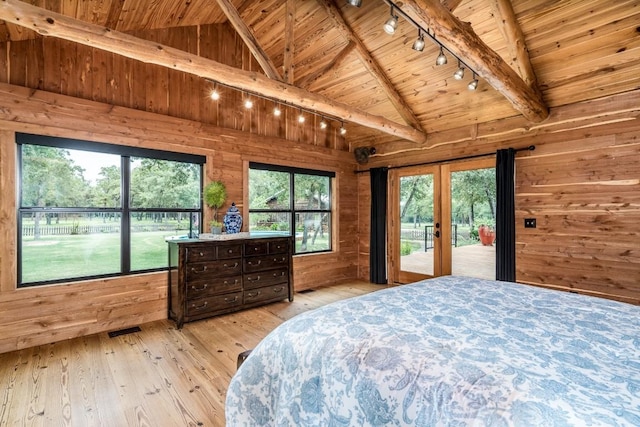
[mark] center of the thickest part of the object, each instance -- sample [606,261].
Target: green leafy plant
[214,195]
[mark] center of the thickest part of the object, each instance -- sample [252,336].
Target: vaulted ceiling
[334,58]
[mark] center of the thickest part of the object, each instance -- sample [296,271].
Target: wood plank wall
[39,315]
[581,183]
[63,67]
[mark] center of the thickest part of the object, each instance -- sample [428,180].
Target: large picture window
[292,200]
[91,210]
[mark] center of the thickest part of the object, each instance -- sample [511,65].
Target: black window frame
[293,171]
[125,211]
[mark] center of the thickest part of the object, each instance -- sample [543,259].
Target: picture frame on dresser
[210,277]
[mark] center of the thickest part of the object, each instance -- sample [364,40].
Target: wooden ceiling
[335,58]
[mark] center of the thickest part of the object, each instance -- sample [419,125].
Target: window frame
[293,211]
[125,210]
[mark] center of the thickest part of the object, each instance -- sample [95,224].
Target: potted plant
[214,195]
[487,235]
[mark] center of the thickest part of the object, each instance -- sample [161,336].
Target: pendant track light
[323,123]
[277,111]
[441,59]
[343,130]
[418,45]
[459,73]
[356,3]
[473,84]
[391,24]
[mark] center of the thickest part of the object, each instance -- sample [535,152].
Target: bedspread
[447,351]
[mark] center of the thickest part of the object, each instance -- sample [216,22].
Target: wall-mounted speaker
[362,154]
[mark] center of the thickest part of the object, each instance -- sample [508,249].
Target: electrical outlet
[529,223]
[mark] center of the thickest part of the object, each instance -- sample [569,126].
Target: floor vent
[126,331]
[306,291]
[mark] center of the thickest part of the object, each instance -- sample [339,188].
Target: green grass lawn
[62,257]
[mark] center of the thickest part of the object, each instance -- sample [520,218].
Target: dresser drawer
[256,248]
[204,271]
[213,303]
[268,293]
[230,251]
[279,247]
[201,253]
[253,264]
[199,289]
[266,278]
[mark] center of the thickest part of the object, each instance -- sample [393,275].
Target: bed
[449,351]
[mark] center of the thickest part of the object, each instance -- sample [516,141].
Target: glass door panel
[417,230]
[473,213]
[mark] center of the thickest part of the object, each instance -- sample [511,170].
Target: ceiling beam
[336,62]
[460,39]
[371,64]
[512,32]
[451,4]
[249,39]
[289,38]
[52,24]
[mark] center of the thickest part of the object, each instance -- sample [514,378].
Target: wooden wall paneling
[102,70]
[84,72]
[364,223]
[8,220]
[34,72]
[52,64]
[4,61]
[68,75]
[18,56]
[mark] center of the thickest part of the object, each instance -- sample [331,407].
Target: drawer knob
[255,249]
[201,254]
[230,251]
[205,286]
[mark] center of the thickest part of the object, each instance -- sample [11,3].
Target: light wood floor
[157,377]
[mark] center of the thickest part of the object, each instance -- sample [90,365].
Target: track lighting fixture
[473,84]
[356,3]
[343,130]
[277,111]
[441,59]
[419,43]
[459,73]
[323,123]
[301,117]
[391,24]
[248,103]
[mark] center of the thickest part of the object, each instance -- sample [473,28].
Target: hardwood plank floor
[159,376]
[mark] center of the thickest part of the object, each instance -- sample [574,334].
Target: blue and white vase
[232,220]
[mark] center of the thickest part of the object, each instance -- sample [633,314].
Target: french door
[435,213]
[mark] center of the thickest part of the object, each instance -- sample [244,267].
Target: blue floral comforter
[449,351]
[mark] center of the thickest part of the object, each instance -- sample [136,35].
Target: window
[283,199]
[91,210]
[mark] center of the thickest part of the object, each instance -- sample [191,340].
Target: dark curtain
[378,242]
[505,216]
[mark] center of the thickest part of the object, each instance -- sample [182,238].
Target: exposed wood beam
[371,64]
[337,60]
[513,35]
[289,45]
[460,38]
[249,39]
[52,24]
[451,4]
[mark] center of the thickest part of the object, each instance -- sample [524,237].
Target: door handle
[437,233]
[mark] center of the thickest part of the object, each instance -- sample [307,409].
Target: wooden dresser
[211,277]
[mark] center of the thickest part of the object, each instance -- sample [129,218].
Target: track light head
[391,24]
[356,3]
[343,130]
[459,73]
[418,45]
[473,84]
[277,111]
[441,59]
[301,118]
[215,95]
[248,103]
[323,123]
